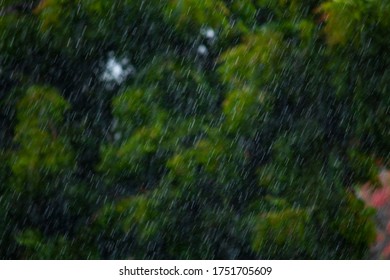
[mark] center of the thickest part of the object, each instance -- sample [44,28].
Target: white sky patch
[208,32]
[202,50]
[117,71]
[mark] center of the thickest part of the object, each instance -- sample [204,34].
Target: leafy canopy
[191,129]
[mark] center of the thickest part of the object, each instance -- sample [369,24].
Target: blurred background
[194,129]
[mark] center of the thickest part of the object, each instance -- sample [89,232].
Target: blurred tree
[191,129]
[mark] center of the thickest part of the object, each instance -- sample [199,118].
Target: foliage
[238,129]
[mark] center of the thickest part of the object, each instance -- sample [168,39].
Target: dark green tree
[190,129]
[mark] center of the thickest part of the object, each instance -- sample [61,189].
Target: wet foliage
[191,129]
